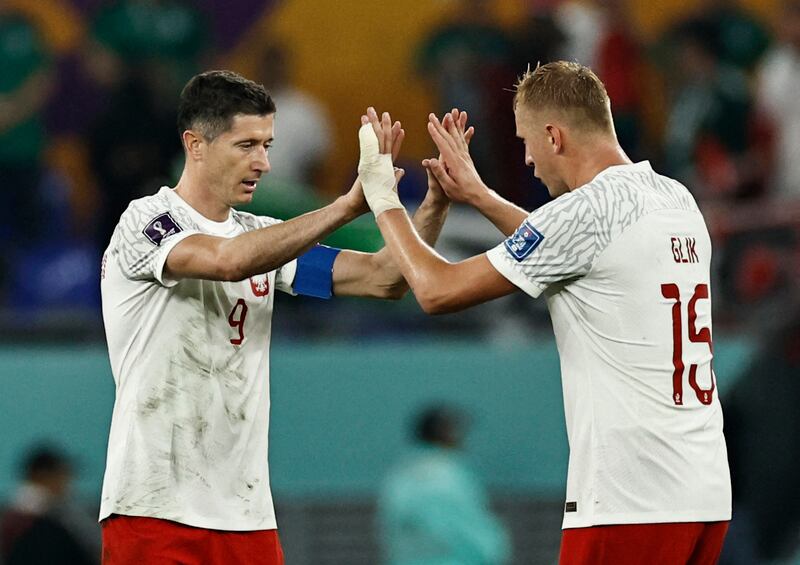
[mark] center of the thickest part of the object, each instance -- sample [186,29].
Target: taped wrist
[376,173]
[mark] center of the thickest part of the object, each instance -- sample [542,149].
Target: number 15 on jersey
[672,291]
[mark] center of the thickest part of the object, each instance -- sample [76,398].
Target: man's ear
[193,143]
[555,138]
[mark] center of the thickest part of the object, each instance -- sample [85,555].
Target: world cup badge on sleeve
[524,241]
[161,227]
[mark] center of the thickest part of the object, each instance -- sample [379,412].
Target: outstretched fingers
[386,133]
[372,115]
[468,134]
[398,135]
[390,135]
[455,122]
[441,137]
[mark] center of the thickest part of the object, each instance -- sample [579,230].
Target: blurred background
[707,90]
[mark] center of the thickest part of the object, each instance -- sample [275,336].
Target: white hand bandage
[376,173]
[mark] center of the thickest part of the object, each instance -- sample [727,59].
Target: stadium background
[348,376]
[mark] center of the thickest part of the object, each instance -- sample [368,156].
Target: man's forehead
[248,121]
[250,126]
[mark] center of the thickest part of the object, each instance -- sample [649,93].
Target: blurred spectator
[24,89]
[41,526]
[132,146]
[763,433]
[537,40]
[433,509]
[303,130]
[468,61]
[141,52]
[741,38]
[707,135]
[619,62]
[583,24]
[171,36]
[778,85]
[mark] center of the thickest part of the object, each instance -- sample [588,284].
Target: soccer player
[188,285]
[622,256]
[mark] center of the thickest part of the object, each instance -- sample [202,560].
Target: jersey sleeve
[556,243]
[146,233]
[284,278]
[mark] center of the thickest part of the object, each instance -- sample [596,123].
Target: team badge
[260,285]
[524,241]
[161,227]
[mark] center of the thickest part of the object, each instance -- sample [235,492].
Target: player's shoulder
[637,187]
[251,221]
[146,206]
[566,208]
[153,217]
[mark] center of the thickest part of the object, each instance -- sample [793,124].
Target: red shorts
[134,540]
[690,543]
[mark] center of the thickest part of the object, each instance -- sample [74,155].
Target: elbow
[230,273]
[433,303]
[229,266]
[435,309]
[394,292]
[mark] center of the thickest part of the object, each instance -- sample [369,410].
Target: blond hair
[568,88]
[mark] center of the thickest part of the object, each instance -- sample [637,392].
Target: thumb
[398,174]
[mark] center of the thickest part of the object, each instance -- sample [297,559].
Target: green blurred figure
[25,85]
[433,509]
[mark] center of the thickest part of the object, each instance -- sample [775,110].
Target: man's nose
[261,162]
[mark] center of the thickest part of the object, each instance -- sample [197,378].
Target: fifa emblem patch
[524,241]
[161,227]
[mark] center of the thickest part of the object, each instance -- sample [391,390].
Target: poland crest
[260,285]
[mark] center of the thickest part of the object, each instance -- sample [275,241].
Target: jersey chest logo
[524,241]
[260,285]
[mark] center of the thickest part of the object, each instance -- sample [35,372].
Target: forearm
[427,222]
[266,249]
[505,215]
[415,260]
[429,218]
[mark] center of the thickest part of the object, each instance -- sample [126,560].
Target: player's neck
[197,195]
[593,162]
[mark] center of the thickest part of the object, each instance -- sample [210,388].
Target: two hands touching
[452,175]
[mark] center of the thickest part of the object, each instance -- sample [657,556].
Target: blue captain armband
[314,276]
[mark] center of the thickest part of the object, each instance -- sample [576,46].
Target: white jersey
[624,264]
[190,360]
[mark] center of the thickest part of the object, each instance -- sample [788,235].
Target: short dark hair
[439,424]
[45,460]
[210,100]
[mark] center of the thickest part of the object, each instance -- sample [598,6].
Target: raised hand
[454,169]
[434,186]
[380,141]
[390,136]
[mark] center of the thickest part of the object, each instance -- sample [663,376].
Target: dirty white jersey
[188,438]
[623,262]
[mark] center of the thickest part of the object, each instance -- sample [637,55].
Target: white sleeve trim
[167,246]
[284,279]
[499,259]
